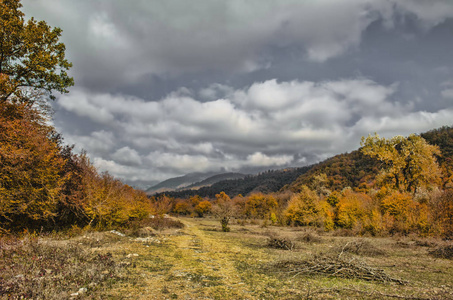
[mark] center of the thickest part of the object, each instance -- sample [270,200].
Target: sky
[165,88]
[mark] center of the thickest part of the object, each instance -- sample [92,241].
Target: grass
[199,261]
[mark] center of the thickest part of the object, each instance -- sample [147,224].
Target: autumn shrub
[303,208]
[260,206]
[202,208]
[441,209]
[224,209]
[351,209]
[401,214]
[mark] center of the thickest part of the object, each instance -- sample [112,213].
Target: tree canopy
[31,57]
[409,163]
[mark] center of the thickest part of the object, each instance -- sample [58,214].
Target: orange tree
[30,167]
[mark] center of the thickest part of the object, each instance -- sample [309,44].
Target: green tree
[32,60]
[409,163]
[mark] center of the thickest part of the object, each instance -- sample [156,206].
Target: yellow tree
[408,163]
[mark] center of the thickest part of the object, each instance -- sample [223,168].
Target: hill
[358,171]
[214,179]
[266,182]
[175,183]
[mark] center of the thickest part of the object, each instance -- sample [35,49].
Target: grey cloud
[267,124]
[175,37]
[169,87]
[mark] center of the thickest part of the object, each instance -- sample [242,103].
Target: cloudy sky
[164,88]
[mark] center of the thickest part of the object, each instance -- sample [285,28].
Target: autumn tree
[224,209]
[260,206]
[408,163]
[31,57]
[203,208]
[30,167]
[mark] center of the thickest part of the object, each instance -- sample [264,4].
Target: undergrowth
[31,269]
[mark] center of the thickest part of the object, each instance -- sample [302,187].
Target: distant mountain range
[192,181]
[265,182]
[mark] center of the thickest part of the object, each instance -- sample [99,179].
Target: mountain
[214,179]
[266,182]
[175,183]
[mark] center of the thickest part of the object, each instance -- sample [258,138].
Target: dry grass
[199,261]
[31,269]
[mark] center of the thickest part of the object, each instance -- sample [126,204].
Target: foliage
[31,56]
[260,206]
[410,162]
[224,209]
[203,208]
[30,167]
[303,209]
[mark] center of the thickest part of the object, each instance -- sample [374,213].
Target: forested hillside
[266,182]
[359,171]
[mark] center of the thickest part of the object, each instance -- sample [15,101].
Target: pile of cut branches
[336,266]
[445,251]
[280,243]
[359,247]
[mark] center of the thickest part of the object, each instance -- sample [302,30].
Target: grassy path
[191,264]
[201,262]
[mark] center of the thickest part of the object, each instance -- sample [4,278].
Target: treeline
[43,184]
[266,182]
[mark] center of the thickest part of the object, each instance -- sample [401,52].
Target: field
[199,261]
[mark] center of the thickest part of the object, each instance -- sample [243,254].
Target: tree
[30,167]
[409,163]
[31,57]
[224,209]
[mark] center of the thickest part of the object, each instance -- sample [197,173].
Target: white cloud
[269,123]
[127,156]
[262,160]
